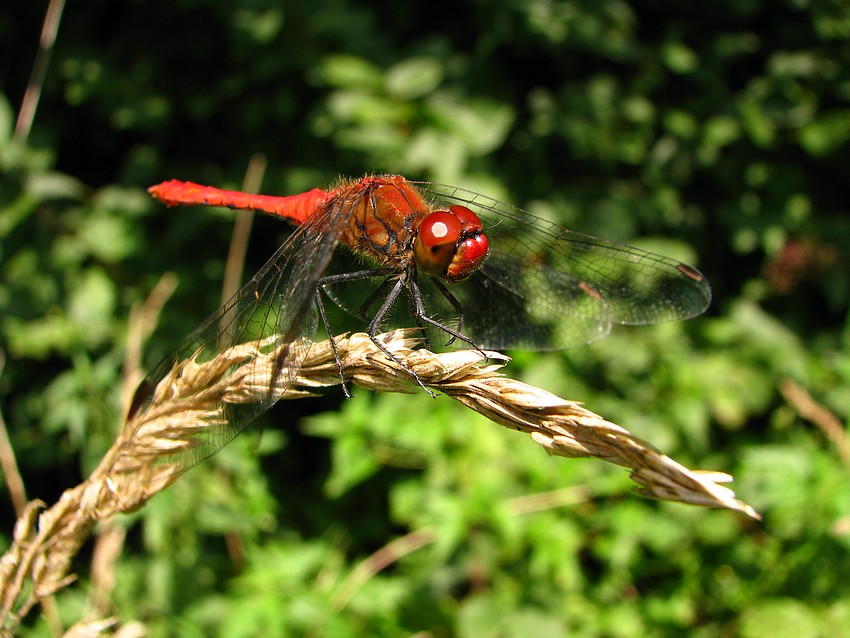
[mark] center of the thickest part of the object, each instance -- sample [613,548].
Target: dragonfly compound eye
[436,242]
[472,248]
[450,244]
[470,254]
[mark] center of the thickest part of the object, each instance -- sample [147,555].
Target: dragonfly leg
[421,326]
[357,276]
[389,300]
[439,285]
[321,306]
[375,326]
[364,307]
[419,307]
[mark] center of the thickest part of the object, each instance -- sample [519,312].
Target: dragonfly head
[450,244]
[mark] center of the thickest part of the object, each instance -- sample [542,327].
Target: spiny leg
[321,306]
[439,285]
[419,307]
[363,311]
[375,326]
[355,276]
[375,323]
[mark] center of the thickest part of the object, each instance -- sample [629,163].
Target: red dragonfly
[465,267]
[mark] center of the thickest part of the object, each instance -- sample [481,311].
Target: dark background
[716,133]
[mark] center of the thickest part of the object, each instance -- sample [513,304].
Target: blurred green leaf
[783,618]
[414,78]
[262,26]
[350,72]
[91,305]
[680,58]
[47,186]
[827,133]
[7,119]
[481,124]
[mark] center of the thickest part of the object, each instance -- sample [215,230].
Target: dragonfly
[467,269]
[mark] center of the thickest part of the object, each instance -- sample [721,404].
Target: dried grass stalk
[156,447]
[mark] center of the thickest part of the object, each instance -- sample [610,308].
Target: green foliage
[717,134]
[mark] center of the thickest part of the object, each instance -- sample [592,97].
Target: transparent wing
[546,287]
[254,345]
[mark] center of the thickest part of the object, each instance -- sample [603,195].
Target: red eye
[450,244]
[439,228]
[467,218]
